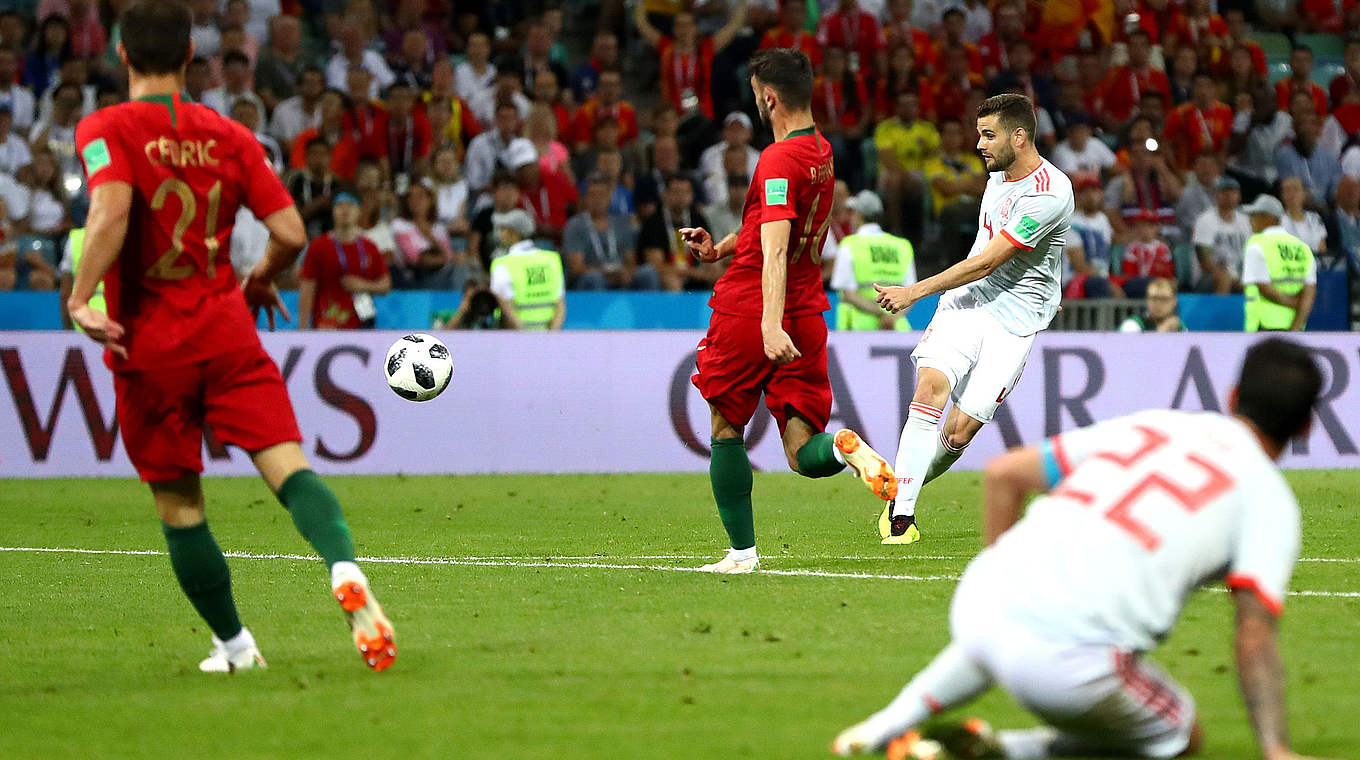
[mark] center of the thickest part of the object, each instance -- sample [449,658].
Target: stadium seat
[1322,45]
[1273,44]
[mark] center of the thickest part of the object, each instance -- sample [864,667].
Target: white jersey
[1147,508]
[1032,212]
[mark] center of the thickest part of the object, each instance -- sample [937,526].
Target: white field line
[558,563]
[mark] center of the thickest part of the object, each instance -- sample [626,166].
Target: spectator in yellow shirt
[904,143]
[956,178]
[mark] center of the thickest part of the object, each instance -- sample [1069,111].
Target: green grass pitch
[507,658]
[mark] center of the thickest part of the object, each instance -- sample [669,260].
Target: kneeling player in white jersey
[993,304]
[1059,609]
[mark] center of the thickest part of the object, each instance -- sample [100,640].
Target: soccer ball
[418,367]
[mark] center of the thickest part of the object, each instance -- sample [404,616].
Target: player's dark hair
[788,72]
[1013,111]
[1278,387]
[156,36]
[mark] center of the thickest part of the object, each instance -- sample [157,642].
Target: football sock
[316,513]
[915,451]
[945,457]
[239,644]
[1034,743]
[950,680]
[203,574]
[730,471]
[819,458]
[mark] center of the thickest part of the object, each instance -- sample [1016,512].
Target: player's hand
[896,299]
[100,328]
[779,346]
[699,244]
[260,293]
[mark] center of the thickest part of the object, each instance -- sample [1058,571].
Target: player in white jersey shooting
[993,304]
[1061,605]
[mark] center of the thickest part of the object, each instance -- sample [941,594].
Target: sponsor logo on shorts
[776,192]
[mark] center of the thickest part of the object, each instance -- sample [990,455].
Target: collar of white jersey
[523,246]
[869,228]
[1275,229]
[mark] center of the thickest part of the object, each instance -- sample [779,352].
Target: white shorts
[981,359]
[1101,699]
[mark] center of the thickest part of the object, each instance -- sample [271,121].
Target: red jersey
[794,180]
[173,287]
[1124,88]
[857,33]
[841,103]
[588,114]
[896,33]
[1148,260]
[344,153]
[1285,89]
[779,37]
[1192,131]
[687,75]
[327,262]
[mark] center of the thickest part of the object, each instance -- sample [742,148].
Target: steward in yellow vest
[75,246]
[529,282]
[864,258]
[1279,274]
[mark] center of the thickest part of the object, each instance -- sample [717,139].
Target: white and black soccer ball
[418,367]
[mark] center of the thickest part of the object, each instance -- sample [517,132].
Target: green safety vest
[881,258]
[77,242]
[538,280]
[1288,260]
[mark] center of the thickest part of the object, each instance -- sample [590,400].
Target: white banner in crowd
[622,401]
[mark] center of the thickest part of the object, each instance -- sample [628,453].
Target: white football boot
[246,657]
[736,562]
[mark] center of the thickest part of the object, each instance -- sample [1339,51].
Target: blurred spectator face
[1140,48]
[679,195]
[1241,63]
[507,120]
[1161,299]
[1348,195]
[610,87]
[67,102]
[902,61]
[197,77]
[237,76]
[318,159]
[357,82]
[446,165]
[1090,200]
[538,40]
[74,70]
[546,87]
[508,83]
[312,85]
[1236,21]
[441,76]
[1140,158]
[1069,96]
[1185,62]
[685,29]
[610,165]
[478,48]
[1229,199]
[1300,104]
[1150,105]
[1206,170]
[414,45]
[1090,70]
[736,135]
[1301,63]
[605,49]
[332,108]
[666,155]
[1205,90]
[505,196]
[285,34]
[606,134]
[44,169]
[665,122]
[367,177]
[1292,193]
[792,15]
[1009,22]
[234,38]
[54,33]
[900,9]
[951,137]
[1077,135]
[908,107]
[247,114]
[598,195]
[12,30]
[1146,230]
[1308,126]
[954,23]
[420,202]
[833,63]
[541,126]
[346,215]
[9,67]
[238,13]
[401,100]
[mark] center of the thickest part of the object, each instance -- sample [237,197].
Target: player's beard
[1000,162]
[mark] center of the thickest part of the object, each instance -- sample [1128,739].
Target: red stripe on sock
[927,410]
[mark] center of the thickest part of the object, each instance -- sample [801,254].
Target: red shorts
[161,412]
[733,371]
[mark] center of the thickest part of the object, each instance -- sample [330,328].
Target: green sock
[316,513]
[730,470]
[817,458]
[203,574]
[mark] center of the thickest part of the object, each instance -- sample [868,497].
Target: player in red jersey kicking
[166,178]
[767,333]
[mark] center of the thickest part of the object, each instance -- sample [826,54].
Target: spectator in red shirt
[954,24]
[1147,257]
[547,196]
[898,32]
[1238,30]
[1241,79]
[842,110]
[607,103]
[1204,125]
[994,47]
[1198,27]
[457,125]
[335,130]
[1300,79]
[1331,16]
[687,59]
[952,85]
[1124,85]
[548,92]
[406,132]
[856,31]
[789,33]
[902,76]
[340,275]
[1039,88]
[366,117]
[1347,81]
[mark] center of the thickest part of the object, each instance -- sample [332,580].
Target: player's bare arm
[106,229]
[998,251]
[774,281]
[287,238]
[699,243]
[1007,483]
[1260,672]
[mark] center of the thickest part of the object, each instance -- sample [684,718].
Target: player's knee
[957,439]
[932,388]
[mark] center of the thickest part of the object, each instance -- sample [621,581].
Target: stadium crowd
[611,127]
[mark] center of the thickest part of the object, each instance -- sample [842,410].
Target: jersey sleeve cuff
[1007,234]
[1240,582]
